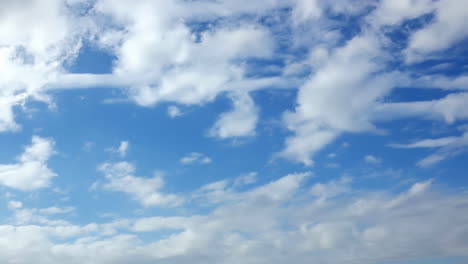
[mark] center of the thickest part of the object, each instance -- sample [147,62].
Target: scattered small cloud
[88,145]
[370,159]
[30,172]
[120,177]
[121,150]
[195,158]
[174,111]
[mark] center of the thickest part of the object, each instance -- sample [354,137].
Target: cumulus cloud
[348,84]
[36,39]
[331,223]
[336,98]
[167,61]
[159,57]
[190,52]
[120,178]
[30,172]
[241,121]
[195,157]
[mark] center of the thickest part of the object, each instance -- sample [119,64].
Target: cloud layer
[279,222]
[340,69]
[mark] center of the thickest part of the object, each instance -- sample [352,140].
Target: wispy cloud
[195,158]
[121,150]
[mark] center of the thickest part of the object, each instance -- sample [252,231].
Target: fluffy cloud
[330,223]
[241,121]
[31,171]
[36,38]
[349,83]
[120,177]
[190,52]
[337,98]
[167,60]
[159,54]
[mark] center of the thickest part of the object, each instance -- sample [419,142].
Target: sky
[234,131]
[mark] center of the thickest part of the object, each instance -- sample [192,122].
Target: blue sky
[234,131]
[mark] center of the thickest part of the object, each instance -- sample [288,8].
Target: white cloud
[121,150]
[337,98]
[195,157]
[36,38]
[158,57]
[246,179]
[447,29]
[427,143]
[120,177]
[346,89]
[161,58]
[31,171]
[167,62]
[224,191]
[12,205]
[241,121]
[372,159]
[390,12]
[305,10]
[331,189]
[446,147]
[452,149]
[450,108]
[173,111]
[350,225]
[25,216]
[443,82]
